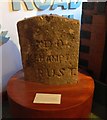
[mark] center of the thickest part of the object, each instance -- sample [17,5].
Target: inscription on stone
[50,48]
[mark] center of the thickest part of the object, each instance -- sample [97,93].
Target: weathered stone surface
[50,49]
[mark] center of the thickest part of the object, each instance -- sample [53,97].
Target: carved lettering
[50,72]
[48,58]
[40,71]
[68,57]
[59,43]
[73,71]
[61,57]
[60,72]
[50,49]
[52,58]
[41,58]
[48,44]
[45,43]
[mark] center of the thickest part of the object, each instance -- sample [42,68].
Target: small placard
[47,98]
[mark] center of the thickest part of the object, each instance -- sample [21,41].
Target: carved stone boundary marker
[50,49]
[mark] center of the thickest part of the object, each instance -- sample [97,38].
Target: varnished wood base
[76,99]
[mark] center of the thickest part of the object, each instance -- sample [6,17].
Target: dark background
[93,47]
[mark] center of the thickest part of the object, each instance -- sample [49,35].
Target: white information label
[47,98]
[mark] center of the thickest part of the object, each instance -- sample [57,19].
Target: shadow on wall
[11,62]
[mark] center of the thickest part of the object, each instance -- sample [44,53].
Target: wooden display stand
[76,100]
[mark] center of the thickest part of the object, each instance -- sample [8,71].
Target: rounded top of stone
[49,17]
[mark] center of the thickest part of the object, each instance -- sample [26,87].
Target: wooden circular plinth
[76,99]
